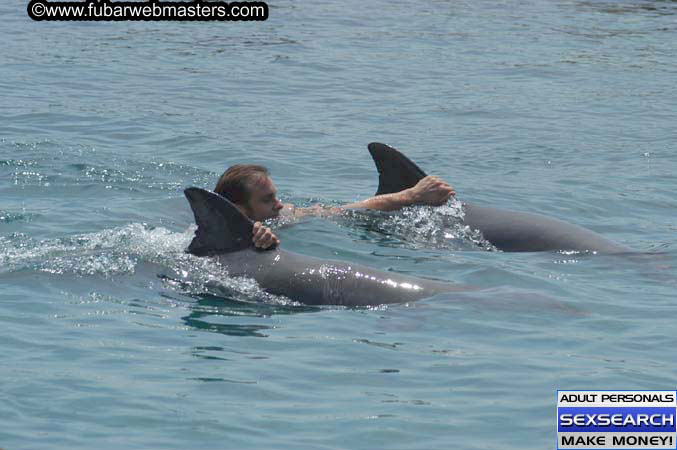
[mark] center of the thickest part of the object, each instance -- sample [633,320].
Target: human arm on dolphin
[430,190]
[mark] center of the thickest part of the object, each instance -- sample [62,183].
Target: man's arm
[430,190]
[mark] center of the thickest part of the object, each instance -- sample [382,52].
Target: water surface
[113,337]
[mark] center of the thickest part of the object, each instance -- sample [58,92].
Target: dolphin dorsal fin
[396,172]
[221,227]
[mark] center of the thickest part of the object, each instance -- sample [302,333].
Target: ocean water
[112,337]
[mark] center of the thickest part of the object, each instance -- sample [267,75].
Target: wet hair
[236,182]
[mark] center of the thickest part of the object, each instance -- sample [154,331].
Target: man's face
[263,203]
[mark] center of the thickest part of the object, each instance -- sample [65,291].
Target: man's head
[250,188]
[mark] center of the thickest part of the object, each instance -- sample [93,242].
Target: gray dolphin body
[225,233]
[510,231]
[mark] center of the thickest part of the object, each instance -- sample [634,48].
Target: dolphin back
[221,227]
[515,231]
[396,172]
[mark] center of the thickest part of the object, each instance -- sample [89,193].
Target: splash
[127,251]
[424,227]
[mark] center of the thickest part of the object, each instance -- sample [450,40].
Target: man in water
[251,189]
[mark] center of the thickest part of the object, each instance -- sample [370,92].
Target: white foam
[121,250]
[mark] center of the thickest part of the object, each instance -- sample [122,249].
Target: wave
[135,249]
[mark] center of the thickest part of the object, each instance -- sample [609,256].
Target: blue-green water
[565,108]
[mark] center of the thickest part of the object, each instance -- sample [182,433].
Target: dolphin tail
[396,172]
[221,227]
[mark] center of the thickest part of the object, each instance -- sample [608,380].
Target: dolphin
[510,231]
[224,233]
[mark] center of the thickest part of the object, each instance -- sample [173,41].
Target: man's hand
[430,190]
[263,238]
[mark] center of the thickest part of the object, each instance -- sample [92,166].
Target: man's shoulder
[288,211]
